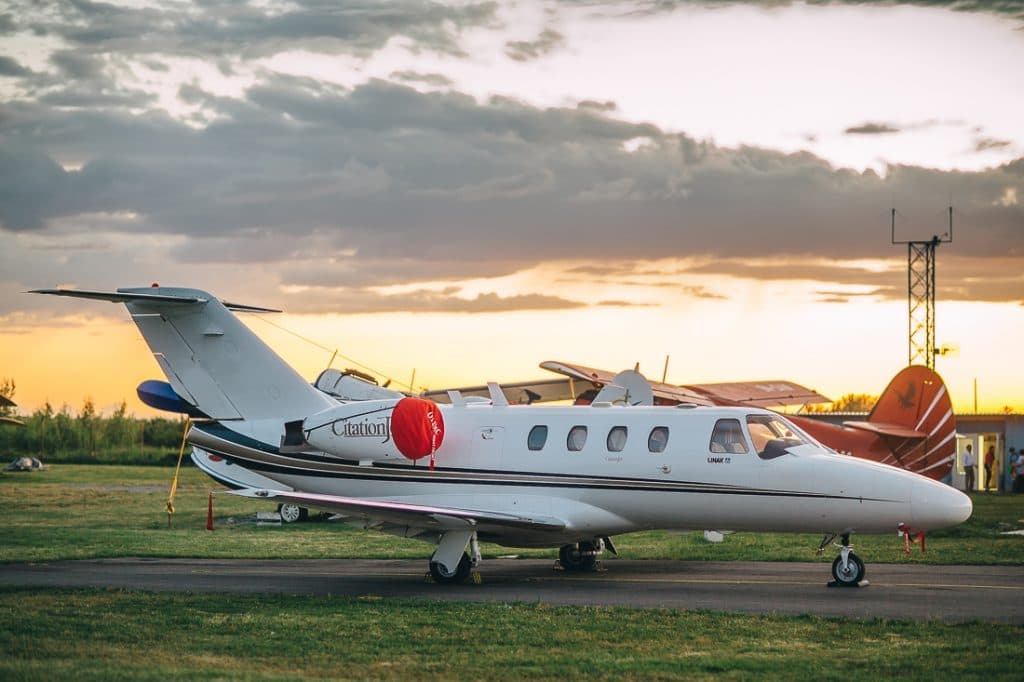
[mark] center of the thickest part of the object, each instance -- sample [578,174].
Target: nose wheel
[848,569]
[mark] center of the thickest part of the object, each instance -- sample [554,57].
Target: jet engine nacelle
[377,429]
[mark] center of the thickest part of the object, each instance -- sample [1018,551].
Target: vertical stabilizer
[210,358]
[917,400]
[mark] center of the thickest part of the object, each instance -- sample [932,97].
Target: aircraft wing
[11,420]
[759,393]
[406,513]
[666,393]
[520,393]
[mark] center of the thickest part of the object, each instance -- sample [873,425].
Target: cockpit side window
[728,437]
[772,435]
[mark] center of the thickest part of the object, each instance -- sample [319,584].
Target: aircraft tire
[853,574]
[572,557]
[292,513]
[458,576]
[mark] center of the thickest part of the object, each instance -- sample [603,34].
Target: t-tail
[914,416]
[215,365]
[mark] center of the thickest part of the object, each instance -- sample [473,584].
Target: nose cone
[936,505]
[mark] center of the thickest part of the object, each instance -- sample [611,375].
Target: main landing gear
[584,556]
[450,563]
[848,569]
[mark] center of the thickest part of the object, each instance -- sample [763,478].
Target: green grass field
[81,511]
[77,511]
[101,635]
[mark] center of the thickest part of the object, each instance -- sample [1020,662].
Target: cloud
[1009,8]
[223,28]
[985,143]
[363,301]
[606,106]
[436,80]
[547,42]
[317,184]
[871,129]
[11,67]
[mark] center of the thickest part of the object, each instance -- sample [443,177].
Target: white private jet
[537,476]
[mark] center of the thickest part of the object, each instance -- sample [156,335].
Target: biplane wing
[775,393]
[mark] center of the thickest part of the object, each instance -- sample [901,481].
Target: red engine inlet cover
[417,427]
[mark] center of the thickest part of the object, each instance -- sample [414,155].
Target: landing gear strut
[847,569]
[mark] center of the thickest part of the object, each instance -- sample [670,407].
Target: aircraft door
[488,442]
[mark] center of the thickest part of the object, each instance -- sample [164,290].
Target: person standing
[990,463]
[1018,472]
[1011,459]
[969,463]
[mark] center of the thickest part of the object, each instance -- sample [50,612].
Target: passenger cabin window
[728,437]
[617,439]
[538,436]
[772,435]
[658,440]
[577,438]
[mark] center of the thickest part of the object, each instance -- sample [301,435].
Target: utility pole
[921,294]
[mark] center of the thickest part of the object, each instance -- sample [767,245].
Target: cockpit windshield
[772,435]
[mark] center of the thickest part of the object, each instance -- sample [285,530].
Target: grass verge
[79,511]
[103,635]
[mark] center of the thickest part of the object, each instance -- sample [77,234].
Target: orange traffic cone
[209,513]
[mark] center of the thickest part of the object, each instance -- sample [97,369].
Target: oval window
[577,438]
[617,439]
[538,436]
[658,440]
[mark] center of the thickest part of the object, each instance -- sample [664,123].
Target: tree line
[60,435]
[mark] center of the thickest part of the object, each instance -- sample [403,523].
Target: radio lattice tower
[921,294]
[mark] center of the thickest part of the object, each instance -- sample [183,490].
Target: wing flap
[406,513]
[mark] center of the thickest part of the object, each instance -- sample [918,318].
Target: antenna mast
[921,294]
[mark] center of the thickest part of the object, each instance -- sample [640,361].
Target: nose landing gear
[848,569]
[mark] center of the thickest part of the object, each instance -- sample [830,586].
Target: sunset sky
[469,188]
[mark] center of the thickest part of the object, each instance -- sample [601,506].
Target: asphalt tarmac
[910,592]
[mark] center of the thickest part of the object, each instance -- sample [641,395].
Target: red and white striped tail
[917,399]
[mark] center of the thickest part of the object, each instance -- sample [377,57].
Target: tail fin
[210,358]
[915,417]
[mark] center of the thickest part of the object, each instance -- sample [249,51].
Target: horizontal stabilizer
[406,513]
[120,297]
[134,296]
[893,430]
